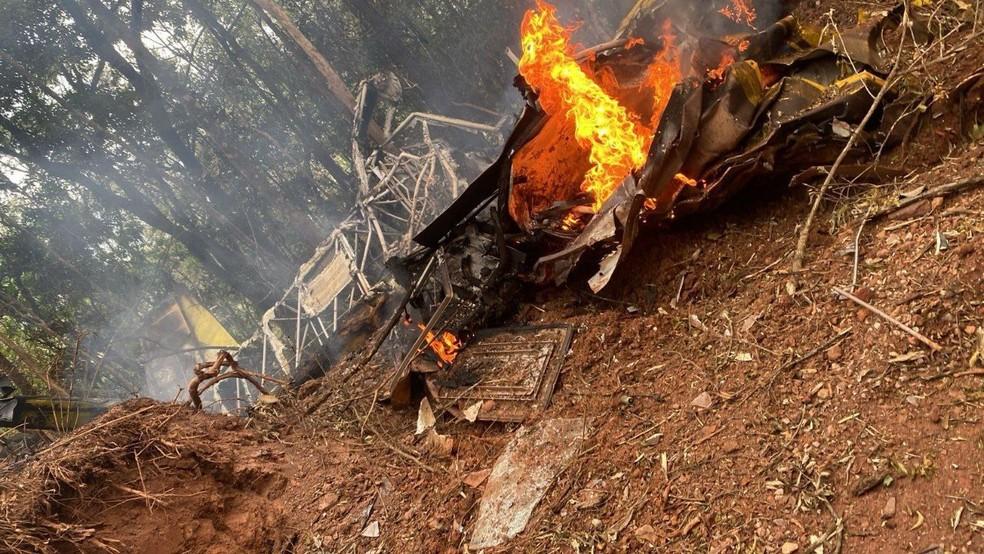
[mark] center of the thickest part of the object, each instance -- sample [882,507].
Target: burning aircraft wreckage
[682,110]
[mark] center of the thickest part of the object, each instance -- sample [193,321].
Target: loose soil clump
[149,477]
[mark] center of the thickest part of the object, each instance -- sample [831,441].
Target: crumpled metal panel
[772,117]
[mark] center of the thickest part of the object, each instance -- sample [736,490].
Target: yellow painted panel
[205,329]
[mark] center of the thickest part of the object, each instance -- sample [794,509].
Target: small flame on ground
[446,346]
[740,11]
[727,59]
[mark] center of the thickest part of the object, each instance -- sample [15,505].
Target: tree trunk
[26,359]
[153,170]
[437,75]
[146,85]
[309,233]
[335,84]
[241,57]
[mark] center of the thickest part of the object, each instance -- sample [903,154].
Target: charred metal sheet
[730,112]
[478,194]
[604,226]
[511,371]
[331,279]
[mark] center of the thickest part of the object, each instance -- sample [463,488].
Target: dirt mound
[152,478]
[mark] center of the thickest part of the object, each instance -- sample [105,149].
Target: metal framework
[400,192]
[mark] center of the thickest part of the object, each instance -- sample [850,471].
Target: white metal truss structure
[400,192]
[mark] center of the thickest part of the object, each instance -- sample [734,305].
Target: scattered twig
[77,436]
[836,529]
[644,431]
[679,293]
[857,253]
[328,394]
[764,269]
[919,336]
[147,497]
[797,361]
[708,437]
[970,373]
[943,190]
[400,452]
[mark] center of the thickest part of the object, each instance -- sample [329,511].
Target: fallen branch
[208,374]
[955,375]
[916,334]
[934,193]
[970,373]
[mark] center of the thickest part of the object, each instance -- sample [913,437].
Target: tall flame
[662,75]
[616,142]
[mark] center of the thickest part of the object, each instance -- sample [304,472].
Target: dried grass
[80,465]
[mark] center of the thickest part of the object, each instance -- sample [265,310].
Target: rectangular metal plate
[321,290]
[512,371]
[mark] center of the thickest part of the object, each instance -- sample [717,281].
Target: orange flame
[662,75]
[446,346]
[727,59]
[740,12]
[617,143]
[571,221]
